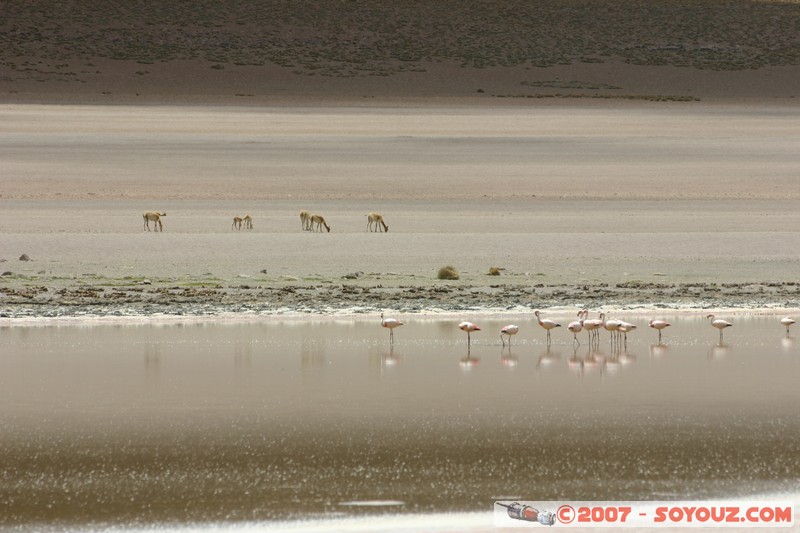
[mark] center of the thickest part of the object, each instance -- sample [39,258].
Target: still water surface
[275,420]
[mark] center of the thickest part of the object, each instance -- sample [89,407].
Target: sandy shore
[642,206]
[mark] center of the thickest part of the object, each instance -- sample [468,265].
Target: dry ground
[279,51]
[642,205]
[589,148]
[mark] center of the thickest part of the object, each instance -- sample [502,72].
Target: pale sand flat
[557,195]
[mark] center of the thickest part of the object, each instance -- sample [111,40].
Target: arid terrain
[372,52]
[628,153]
[599,207]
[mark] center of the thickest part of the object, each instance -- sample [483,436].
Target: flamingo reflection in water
[719,351]
[658,350]
[593,361]
[468,362]
[575,362]
[548,358]
[507,359]
[390,359]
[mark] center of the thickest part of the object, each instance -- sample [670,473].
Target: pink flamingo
[469,327]
[390,324]
[508,330]
[611,326]
[624,328]
[547,324]
[787,321]
[659,325]
[592,325]
[719,324]
[576,327]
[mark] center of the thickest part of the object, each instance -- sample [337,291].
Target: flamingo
[390,323]
[659,325]
[508,330]
[787,321]
[719,324]
[592,325]
[576,327]
[624,328]
[469,327]
[547,324]
[611,326]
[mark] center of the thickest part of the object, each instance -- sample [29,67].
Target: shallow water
[265,421]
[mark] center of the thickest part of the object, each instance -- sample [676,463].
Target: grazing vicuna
[155,218]
[375,221]
[317,222]
[305,220]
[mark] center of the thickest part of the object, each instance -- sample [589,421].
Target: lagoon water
[272,421]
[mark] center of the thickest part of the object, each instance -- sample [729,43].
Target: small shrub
[447,272]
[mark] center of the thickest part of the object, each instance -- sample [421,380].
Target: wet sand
[640,206]
[122,426]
